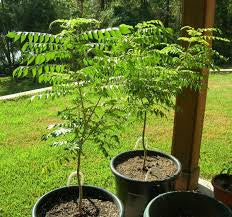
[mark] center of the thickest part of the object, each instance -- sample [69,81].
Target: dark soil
[157,168]
[90,208]
[225,183]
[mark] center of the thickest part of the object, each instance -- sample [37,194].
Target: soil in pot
[225,182]
[90,208]
[223,188]
[63,201]
[157,168]
[136,186]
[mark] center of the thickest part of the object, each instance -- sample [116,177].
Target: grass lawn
[30,167]
[9,85]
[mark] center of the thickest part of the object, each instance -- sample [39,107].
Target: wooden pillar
[188,121]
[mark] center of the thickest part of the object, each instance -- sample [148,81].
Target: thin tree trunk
[79,183]
[102,5]
[80,4]
[143,140]
[3,7]
[167,12]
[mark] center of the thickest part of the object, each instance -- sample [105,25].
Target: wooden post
[188,121]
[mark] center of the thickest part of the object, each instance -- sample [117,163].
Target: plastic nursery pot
[177,204]
[222,188]
[136,194]
[71,193]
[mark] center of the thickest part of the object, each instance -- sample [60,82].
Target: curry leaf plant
[110,71]
[156,69]
[77,61]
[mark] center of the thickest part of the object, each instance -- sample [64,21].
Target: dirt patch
[157,168]
[90,208]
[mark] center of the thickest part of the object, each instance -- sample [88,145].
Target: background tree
[223,21]
[21,15]
[35,15]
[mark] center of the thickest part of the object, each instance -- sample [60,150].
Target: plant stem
[143,140]
[80,151]
[79,182]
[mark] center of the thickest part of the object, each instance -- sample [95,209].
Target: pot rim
[171,157]
[116,199]
[146,212]
[215,185]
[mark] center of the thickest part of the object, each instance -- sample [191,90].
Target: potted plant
[156,71]
[74,63]
[222,184]
[186,204]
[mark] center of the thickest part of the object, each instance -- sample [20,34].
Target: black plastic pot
[71,193]
[176,204]
[136,194]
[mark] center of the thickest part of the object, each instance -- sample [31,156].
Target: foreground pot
[178,204]
[221,184]
[136,194]
[70,193]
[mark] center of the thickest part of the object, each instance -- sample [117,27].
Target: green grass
[30,167]
[9,85]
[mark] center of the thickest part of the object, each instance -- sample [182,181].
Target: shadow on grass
[9,85]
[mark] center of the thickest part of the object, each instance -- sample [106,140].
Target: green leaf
[46,38]
[36,37]
[62,68]
[25,46]
[95,35]
[52,38]
[86,37]
[100,35]
[31,59]
[11,34]
[117,32]
[113,33]
[40,59]
[56,47]
[57,39]
[125,29]
[85,62]
[44,47]
[15,72]
[41,78]
[19,73]
[25,71]
[34,72]
[52,68]
[23,37]
[58,68]
[107,34]
[30,37]
[41,38]
[37,60]
[17,37]
[90,35]
[46,68]
[48,57]
[40,71]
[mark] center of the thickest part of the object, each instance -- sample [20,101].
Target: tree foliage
[75,62]
[97,65]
